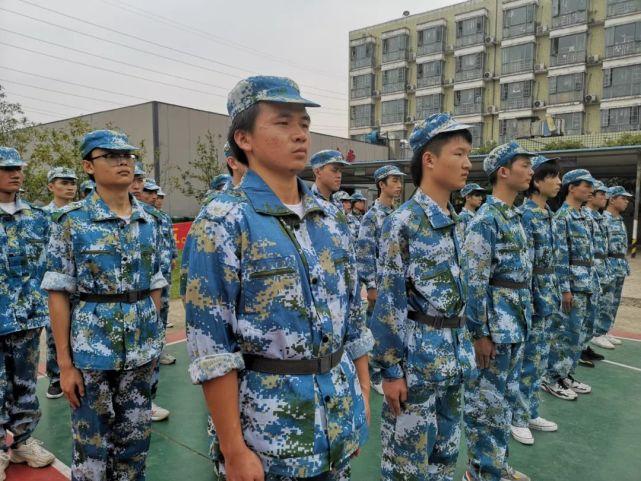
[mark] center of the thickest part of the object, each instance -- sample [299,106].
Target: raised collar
[505,210]
[435,214]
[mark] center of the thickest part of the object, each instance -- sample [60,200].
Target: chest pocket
[271,283]
[438,287]
[97,267]
[34,247]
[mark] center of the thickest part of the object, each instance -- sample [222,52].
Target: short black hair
[493,177]
[378,185]
[435,146]
[565,190]
[548,169]
[244,120]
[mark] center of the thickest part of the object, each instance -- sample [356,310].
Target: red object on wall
[181,229]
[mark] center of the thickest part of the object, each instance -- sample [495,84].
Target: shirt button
[325,338]
[314,280]
[327,399]
[125,258]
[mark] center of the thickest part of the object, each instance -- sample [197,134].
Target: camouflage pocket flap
[271,266]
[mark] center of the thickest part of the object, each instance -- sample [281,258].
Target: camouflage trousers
[423,442]
[19,408]
[53,371]
[565,346]
[535,363]
[591,318]
[488,402]
[164,316]
[610,300]
[112,427]
[338,474]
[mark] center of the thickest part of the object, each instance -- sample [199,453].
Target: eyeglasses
[115,158]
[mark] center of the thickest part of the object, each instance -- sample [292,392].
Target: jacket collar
[435,215]
[505,210]
[100,211]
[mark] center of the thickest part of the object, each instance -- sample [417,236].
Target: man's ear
[428,160]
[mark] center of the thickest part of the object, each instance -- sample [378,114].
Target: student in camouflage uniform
[422,345]
[86,187]
[275,329]
[62,183]
[160,199]
[617,245]
[104,250]
[354,218]
[343,199]
[24,230]
[498,273]
[536,217]
[473,195]
[575,273]
[327,166]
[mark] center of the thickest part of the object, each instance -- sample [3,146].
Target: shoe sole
[56,396]
[525,442]
[17,459]
[558,396]
[167,363]
[156,420]
[543,429]
[602,347]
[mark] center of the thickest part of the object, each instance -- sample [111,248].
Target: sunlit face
[549,187]
[581,192]
[329,176]
[518,175]
[110,172]
[392,186]
[11,179]
[451,166]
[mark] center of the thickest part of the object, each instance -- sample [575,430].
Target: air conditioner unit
[489,40]
[492,109]
[542,29]
[540,67]
[376,93]
[538,104]
[487,76]
[594,59]
[410,88]
[590,98]
[410,118]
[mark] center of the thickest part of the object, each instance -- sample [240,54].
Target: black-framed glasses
[114,158]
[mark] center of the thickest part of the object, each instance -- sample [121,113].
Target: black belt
[581,262]
[543,270]
[509,284]
[438,322]
[600,256]
[294,367]
[129,297]
[617,256]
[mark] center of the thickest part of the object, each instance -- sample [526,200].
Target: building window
[519,21]
[569,12]
[510,129]
[361,56]
[394,111]
[362,86]
[516,95]
[623,7]
[468,101]
[469,67]
[361,115]
[429,74]
[567,50]
[572,123]
[430,40]
[620,120]
[470,31]
[622,40]
[427,105]
[519,58]
[394,80]
[395,48]
[565,88]
[622,81]
[477,135]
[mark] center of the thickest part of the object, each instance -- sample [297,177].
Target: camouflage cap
[218,181]
[500,156]
[10,158]
[150,185]
[356,196]
[324,157]
[341,195]
[138,170]
[105,139]
[618,191]
[161,193]
[227,150]
[539,160]
[577,175]
[264,88]
[87,185]
[600,187]
[469,188]
[385,171]
[61,173]
[435,124]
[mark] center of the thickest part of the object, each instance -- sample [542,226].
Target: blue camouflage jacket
[543,250]
[262,281]
[354,224]
[465,216]
[23,237]
[496,248]
[599,244]
[367,254]
[92,250]
[617,241]
[576,253]
[419,271]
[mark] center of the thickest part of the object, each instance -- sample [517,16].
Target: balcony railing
[464,109]
[393,87]
[567,58]
[623,49]
[395,55]
[518,30]
[428,48]
[474,39]
[622,90]
[565,97]
[623,8]
[517,66]
[429,81]
[465,75]
[367,121]
[516,104]
[360,92]
[361,62]
[394,118]
[573,18]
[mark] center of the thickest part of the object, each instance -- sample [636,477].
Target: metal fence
[623,49]
[630,6]
[567,58]
[573,18]
[603,139]
[464,75]
[428,48]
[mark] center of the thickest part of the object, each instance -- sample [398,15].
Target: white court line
[622,365]
[175,342]
[62,468]
[628,338]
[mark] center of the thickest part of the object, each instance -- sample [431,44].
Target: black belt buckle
[131,297]
[325,364]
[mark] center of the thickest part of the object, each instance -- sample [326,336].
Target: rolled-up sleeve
[60,274]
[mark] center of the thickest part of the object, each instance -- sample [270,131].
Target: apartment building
[511,69]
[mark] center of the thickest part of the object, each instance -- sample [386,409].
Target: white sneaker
[577,386]
[4,464]
[614,340]
[166,359]
[541,424]
[559,390]
[32,453]
[508,473]
[603,342]
[158,413]
[522,435]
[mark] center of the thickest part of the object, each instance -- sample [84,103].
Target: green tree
[14,126]
[194,179]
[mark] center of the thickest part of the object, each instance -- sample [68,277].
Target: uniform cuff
[210,367]
[478,330]
[392,372]
[361,346]
[370,285]
[158,281]
[56,281]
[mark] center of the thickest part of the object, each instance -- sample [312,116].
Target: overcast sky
[186,52]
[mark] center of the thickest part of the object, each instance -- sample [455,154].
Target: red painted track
[21,472]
